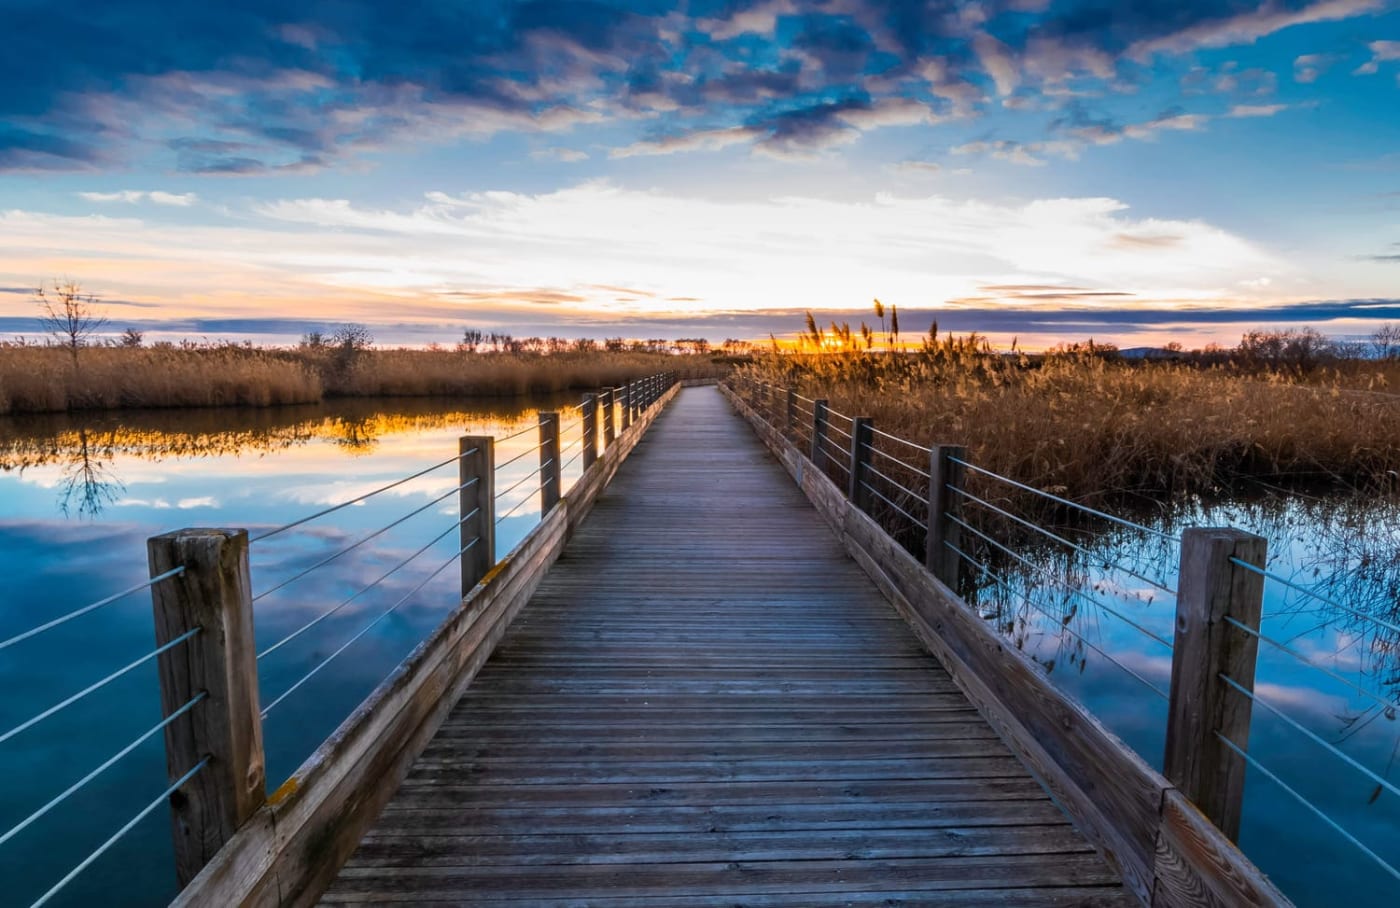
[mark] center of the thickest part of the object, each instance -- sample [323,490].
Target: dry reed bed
[1102,432]
[46,379]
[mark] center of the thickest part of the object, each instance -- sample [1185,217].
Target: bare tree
[1386,341]
[68,314]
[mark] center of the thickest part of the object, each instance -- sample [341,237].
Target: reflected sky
[1074,613]
[79,496]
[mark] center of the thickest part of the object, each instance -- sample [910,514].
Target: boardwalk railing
[902,511]
[236,844]
[959,519]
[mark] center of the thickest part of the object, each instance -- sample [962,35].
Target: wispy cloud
[133,196]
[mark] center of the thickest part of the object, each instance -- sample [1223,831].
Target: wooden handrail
[1167,851]
[285,848]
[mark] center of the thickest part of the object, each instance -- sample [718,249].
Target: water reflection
[79,494]
[1097,614]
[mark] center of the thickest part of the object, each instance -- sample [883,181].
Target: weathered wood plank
[695,707]
[289,850]
[1115,798]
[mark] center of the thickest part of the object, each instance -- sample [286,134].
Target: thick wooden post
[477,505]
[590,431]
[213,594]
[819,433]
[944,475]
[626,406]
[861,440]
[1211,588]
[791,422]
[549,462]
[609,417]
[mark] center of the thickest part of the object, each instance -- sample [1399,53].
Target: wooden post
[477,505]
[609,417]
[213,594]
[861,440]
[549,462]
[819,432]
[791,425]
[626,406]
[590,430]
[1212,587]
[944,475]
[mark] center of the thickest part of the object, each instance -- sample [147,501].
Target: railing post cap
[192,532]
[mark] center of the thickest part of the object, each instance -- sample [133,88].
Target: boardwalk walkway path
[707,703]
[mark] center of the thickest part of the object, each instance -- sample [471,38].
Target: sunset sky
[1144,172]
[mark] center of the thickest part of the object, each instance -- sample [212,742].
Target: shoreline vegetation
[1283,410]
[56,378]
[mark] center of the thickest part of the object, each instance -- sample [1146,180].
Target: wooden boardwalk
[706,702]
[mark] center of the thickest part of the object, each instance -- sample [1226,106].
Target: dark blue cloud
[1104,322]
[257,86]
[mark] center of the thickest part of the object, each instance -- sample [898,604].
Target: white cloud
[1256,110]
[476,255]
[135,196]
[1381,52]
[1248,27]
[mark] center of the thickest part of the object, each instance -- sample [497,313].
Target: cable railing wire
[107,764]
[1069,587]
[116,837]
[517,484]
[365,589]
[1316,811]
[1385,784]
[918,471]
[530,450]
[1055,537]
[910,517]
[1379,700]
[515,508]
[1085,640]
[1065,501]
[78,613]
[904,441]
[367,628]
[894,482]
[355,545]
[98,685]
[1390,625]
[359,498]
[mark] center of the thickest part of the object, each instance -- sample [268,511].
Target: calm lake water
[1071,612]
[80,495]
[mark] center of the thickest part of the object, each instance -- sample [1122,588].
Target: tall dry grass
[35,379]
[1102,431]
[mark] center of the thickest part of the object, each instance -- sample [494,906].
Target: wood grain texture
[1205,648]
[1115,798]
[707,702]
[289,850]
[213,594]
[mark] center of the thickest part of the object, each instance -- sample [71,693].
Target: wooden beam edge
[1229,871]
[249,869]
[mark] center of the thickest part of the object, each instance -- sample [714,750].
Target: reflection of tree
[88,483]
[358,436]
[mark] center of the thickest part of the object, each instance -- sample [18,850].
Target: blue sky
[1047,169]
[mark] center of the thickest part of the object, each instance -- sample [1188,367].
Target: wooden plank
[693,707]
[1207,648]
[1196,863]
[213,595]
[290,849]
[1115,798]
